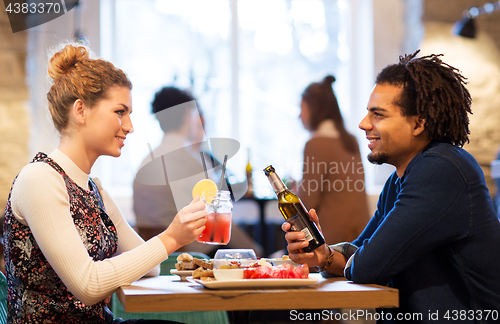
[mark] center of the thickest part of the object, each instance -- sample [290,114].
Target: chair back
[3,298]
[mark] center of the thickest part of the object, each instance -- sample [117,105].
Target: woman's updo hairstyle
[76,75]
[321,101]
[323,105]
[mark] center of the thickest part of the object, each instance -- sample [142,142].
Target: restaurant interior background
[247,62]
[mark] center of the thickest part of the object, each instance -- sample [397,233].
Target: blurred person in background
[155,205]
[333,180]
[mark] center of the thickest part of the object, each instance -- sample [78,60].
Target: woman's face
[305,114]
[108,123]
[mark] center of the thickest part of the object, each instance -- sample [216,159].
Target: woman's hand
[179,234]
[296,241]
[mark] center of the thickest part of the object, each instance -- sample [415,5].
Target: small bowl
[229,274]
[243,257]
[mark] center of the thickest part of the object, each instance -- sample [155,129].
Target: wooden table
[167,293]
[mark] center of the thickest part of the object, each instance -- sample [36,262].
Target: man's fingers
[313,215]
[294,236]
[285,226]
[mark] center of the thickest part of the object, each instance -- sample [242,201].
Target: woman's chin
[115,154]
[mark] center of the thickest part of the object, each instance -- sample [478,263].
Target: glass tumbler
[218,226]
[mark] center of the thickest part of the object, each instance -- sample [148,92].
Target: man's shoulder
[447,159]
[448,152]
[442,146]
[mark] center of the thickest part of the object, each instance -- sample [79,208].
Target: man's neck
[401,167]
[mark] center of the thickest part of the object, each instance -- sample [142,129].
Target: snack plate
[255,283]
[182,273]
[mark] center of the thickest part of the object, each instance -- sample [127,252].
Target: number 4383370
[25,8]
[462,315]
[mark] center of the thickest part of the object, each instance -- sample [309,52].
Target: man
[435,235]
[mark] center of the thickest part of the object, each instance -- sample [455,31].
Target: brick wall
[479,61]
[449,11]
[14,118]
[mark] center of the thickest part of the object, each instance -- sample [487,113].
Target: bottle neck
[224,194]
[276,182]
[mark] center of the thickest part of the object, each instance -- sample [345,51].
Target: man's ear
[79,111]
[419,126]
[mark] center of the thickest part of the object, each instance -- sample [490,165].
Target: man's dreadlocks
[435,91]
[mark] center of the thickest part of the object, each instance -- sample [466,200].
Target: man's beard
[378,158]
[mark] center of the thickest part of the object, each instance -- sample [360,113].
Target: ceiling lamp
[466,26]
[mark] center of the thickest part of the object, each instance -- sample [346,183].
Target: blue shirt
[435,236]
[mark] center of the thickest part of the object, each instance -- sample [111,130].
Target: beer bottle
[294,212]
[248,172]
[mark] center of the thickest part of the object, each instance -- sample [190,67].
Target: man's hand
[295,241]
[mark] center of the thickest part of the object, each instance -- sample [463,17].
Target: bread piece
[200,272]
[203,263]
[185,265]
[185,257]
[197,273]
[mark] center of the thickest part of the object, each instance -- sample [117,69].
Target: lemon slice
[205,188]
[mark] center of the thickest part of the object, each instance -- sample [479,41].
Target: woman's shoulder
[37,173]
[34,168]
[327,146]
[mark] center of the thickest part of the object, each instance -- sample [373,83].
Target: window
[246,62]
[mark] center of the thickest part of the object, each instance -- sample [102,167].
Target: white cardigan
[40,200]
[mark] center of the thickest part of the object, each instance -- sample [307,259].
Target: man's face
[392,136]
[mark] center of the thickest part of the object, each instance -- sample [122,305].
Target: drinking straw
[223,172]
[204,164]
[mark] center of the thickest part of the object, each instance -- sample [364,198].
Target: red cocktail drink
[217,230]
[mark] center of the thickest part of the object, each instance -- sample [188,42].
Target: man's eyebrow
[374,109]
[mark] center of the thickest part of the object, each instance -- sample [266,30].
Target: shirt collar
[326,129]
[72,170]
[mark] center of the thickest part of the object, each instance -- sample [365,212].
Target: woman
[65,239]
[333,174]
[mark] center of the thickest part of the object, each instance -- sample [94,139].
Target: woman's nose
[128,127]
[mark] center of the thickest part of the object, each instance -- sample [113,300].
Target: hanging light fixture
[466,26]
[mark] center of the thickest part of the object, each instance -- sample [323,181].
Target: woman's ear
[79,111]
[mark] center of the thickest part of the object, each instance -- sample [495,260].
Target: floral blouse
[35,292]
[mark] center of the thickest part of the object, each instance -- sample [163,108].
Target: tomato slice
[285,271]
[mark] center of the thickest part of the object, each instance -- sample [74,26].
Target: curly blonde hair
[76,75]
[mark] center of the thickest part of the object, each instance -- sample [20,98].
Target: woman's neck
[76,152]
